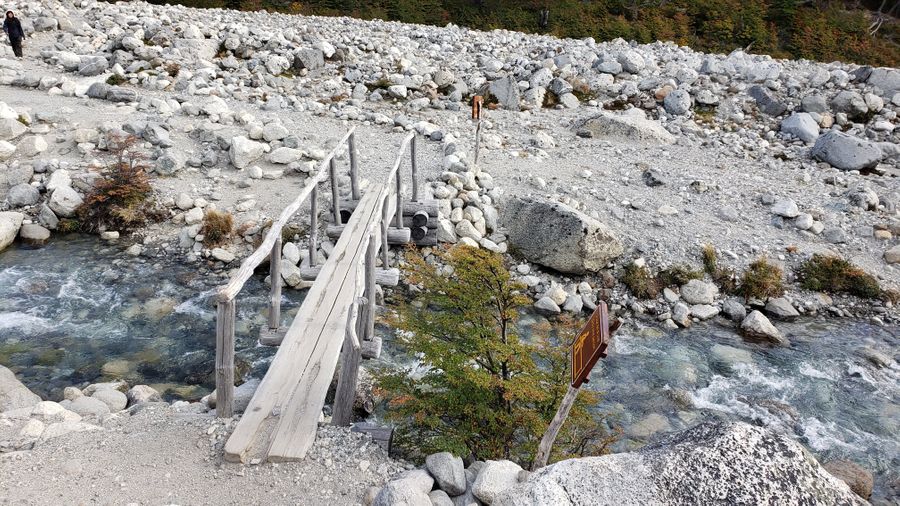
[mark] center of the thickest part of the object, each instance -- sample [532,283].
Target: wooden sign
[591,345]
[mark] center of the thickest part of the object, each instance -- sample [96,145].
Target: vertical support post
[335,203]
[543,453]
[477,141]
[275,278]
[354,183]
[225,359]
[350,358]
[398,216]
[313,225]
[368,330]
[384,241]
[415,171]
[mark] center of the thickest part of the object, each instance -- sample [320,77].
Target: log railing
[363,315]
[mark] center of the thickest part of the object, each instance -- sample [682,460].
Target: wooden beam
[354,182]
[275,279]
[415,172]
[371,348]
[383,436]
[335,202]
[394,235]
[383,277]
[225,359]
[313,227]
[350,358]
[431,206]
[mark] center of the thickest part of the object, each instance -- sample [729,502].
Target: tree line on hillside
[861,31]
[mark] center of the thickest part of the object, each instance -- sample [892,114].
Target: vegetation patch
[677,275]
[122,197]
[115,80]
[480,391]
[217,228]
[640,281]
[824,273]
[710,258]
[762,280]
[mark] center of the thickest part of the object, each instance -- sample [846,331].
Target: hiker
[13,29]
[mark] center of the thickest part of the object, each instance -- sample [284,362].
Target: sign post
[477,104]
[589,347]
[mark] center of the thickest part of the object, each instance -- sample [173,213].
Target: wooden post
[225,359]
[543,453]
[384,237]
[275,278]
[477,141]
[398,215]
[350,358]
[368,330]
[418,233]
[354,183]
[313,225]
[415,171]
[335,203]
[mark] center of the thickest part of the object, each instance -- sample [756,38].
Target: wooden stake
[335,203]
[350,358]
[313,226]
[225,359]
[543,453]
[354,182]
[275,278]
[415,172]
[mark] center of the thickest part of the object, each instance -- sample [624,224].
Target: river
[77,310]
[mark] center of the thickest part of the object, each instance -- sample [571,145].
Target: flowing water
[78,311]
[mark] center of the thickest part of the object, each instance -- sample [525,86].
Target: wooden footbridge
[337,314]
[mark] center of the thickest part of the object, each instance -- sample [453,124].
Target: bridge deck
[280,422]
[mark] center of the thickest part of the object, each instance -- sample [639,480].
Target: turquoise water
[79,311]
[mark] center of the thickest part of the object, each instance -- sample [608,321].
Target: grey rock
[766,102]
[814,103]
[10,223]
[846,152]
[89,407]
[782,309]
[835,235]
[506,91]
[885,79]
[556,236]
[120,94]
[704,311]
[802,126]
[114,399]
[495,478]
[92,65]
[243,151]
[786,208]
[625,127]
[851,103]
[696,291]
[170,162]
[631,61]
[139,394]
[440,498]
[653,177]
[10,128]
[401,492]
[681,314]
[677,102]
[47,218]
[734,310]
[547,305]
[64,201]
[757,326]
[855,476]
[734,462]
[448,471]
[309,59]
[22,195]
[98,90]
[13,393]
[34,235]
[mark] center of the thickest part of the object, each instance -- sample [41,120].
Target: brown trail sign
[589,347]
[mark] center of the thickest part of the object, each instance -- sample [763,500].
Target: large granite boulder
[712,463]
[626,127]
[10,223]
[554,235]
[846,152]
[13,394]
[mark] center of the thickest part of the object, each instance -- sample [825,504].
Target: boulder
[14,394]
[309,59]
[92,65]
[30,146]
[6,150]
[885,79]
[448,471]
[65,201]
[851,103]
[786,208]
[506,91]
[114,399]
[34,235]
[628,127]
[142,393]
[711,463]
[554,235]
[766,102]
[891,256]
[781,309]
[802,126]
[677,102]
[10,128]
[494,478]
[23,194]
[89,407]
[10,223]
[757,326]
[401,492]
[243,151]
[699,292]
[846,152]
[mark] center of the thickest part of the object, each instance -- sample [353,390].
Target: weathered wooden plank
[371,348]
[431,206]
[225,359]
[354,175]
[313,226]
[395,236]
[383,277]
[272,337]
[275,280]
[415,170]
[253,261]
[350,359]
[383,436]
[335,201]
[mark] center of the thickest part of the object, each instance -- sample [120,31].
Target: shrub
[172,69]
[122,197]
[217,227]
[677,275]
[480,391]
[640,281]
[710,258]
[115,80]
[823,273]
[762,280]
[727,280]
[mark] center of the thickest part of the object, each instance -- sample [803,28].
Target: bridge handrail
[237,281]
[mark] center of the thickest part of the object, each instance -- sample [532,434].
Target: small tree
[122,197]
[480,391]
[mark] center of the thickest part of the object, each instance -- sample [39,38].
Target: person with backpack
[13,28]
